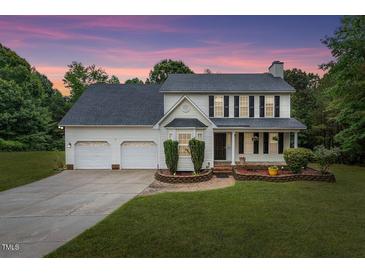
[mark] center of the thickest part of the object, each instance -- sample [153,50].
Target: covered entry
[92,155]
[139,155]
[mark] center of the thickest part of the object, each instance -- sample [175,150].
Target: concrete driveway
[41,216]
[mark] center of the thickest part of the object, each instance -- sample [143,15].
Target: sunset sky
[129,46]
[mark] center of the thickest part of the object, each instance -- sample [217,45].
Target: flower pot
[272,171]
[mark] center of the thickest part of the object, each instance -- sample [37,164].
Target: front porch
[265,147]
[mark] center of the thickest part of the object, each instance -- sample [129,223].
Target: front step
[223,169]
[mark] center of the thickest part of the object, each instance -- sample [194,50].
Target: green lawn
[20,168]
[301,219]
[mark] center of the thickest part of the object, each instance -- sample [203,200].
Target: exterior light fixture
[68,145]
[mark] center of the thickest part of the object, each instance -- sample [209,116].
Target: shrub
[307,154]
[171,155]
[325,157]
[296,158]
[197,149]
[11,145]
[59,163]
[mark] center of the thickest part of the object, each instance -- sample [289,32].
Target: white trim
[214,106]
[225,91]
[233,148]
[141,126]
[200,128]
[239,107]
[178,132]
[257,129]
[182,98]
[137,140]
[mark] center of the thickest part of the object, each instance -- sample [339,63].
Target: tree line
[332,106]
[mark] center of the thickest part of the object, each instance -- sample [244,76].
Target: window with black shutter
[256,143]
[252,106]
[211,106]
[266,142]
[240,143]
[262,106]
[277,106]
[236,106]
[281,143]
[226,106]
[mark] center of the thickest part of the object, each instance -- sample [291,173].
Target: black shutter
[281,143]
[211,106]
[262,106]
[256,143]
[252,106]
[240,143]
[236,106]
[277,106]
[266,142]
[226,106]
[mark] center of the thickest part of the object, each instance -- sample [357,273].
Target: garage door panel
[93,155]
[139,155]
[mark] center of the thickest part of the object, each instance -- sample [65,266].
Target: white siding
[285,106]
[185,163]
[202,102]
[115,136]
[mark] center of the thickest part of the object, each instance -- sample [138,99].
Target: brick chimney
[277,69]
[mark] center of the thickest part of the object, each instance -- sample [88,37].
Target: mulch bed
[308,171]
[284,175]
[183,177]
[179,173]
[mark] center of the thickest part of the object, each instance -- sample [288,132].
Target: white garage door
[141,155]
[92,155]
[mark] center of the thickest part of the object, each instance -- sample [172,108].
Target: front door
[219,146]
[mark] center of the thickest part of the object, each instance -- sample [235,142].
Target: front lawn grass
[250,219]
[20,168]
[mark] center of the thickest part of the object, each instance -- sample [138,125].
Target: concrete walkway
[41,216]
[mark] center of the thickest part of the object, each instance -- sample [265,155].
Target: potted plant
[273,170]
[242,159]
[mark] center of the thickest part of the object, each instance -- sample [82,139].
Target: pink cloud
[133,23]
[11,31]
[126,62]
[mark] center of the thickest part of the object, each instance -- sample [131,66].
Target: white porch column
[233,148]
[295,139]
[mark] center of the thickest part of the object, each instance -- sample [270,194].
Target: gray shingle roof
[186,122]
[259,123]
[116,104]
[225,83]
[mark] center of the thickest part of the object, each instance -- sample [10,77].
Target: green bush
[197,149]
[11,145]
[297,158]
[325,157]
[307,154]
[171,155]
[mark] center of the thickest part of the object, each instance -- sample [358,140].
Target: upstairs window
[183,139]
[218,106]
[243,106]
[269,106]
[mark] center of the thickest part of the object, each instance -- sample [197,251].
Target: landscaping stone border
[186,179]
[260,167]
[329,177]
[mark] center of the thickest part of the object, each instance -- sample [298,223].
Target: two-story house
[237,115]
